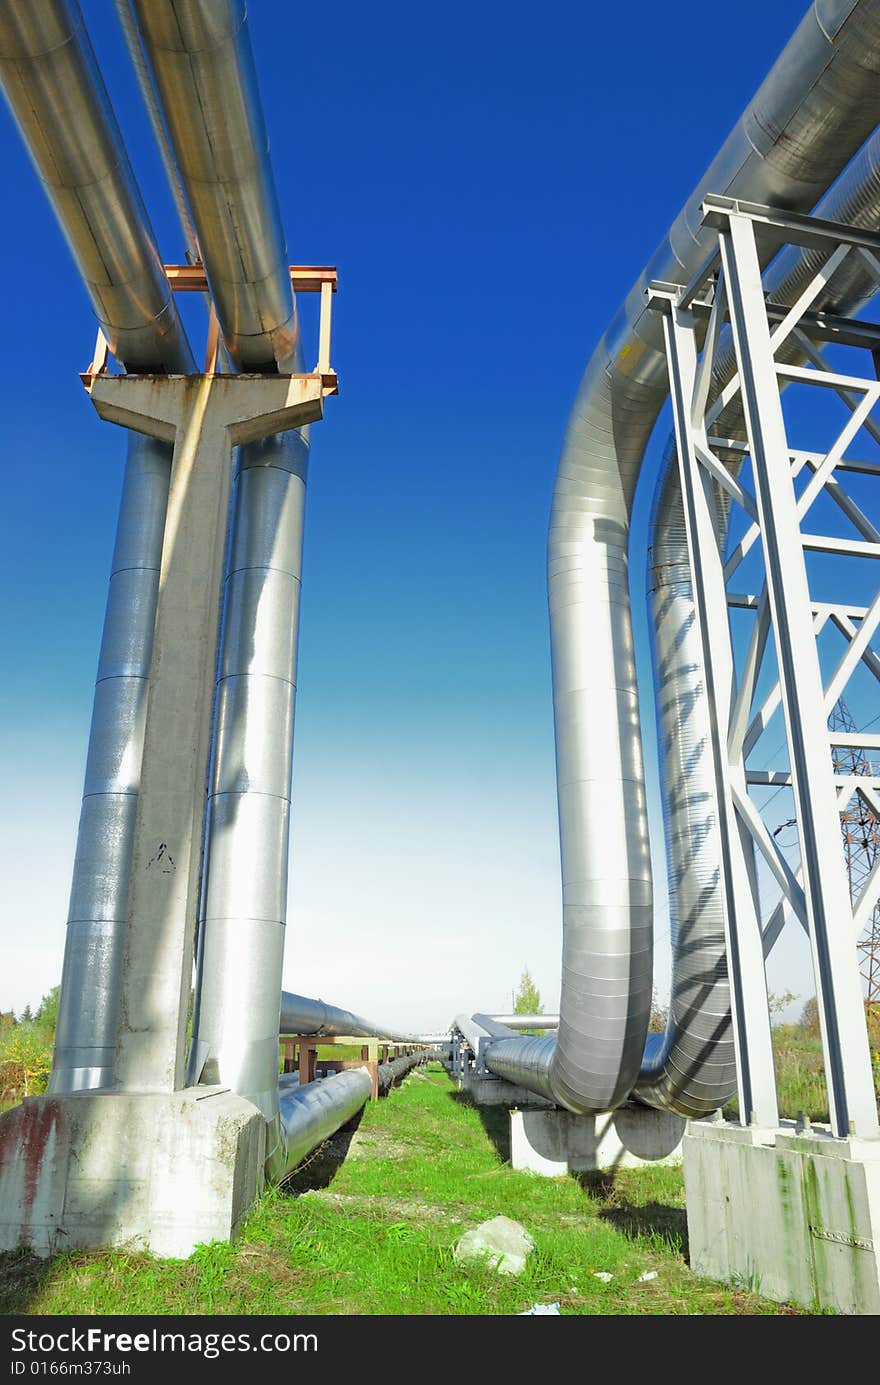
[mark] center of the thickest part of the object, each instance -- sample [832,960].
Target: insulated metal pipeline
[313,1113]
[692,1068]
[302,1015]
[200,57]
[57,97]
[85,1036]
[130,33]
[812,113]
[470,1030]
[203,68]
[392,1072]
[244,897]
[495,1028]
[244,893]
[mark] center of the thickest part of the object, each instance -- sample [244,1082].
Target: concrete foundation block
[494,1091]
[160,1172]
[791,1216]
[556,1142]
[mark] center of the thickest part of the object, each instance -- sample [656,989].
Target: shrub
[26,1062]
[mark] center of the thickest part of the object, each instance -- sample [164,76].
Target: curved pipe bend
[812,113]
[692,1071]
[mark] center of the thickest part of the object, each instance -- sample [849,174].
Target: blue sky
[489,179]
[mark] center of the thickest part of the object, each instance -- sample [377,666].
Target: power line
[860,831]
[861,844]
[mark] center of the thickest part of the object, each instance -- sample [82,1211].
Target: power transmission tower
[861,844]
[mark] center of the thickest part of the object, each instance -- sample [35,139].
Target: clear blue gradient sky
[490,179]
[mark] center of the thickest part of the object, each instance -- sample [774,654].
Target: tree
[527,1000]
[777,1004]
[46,1017]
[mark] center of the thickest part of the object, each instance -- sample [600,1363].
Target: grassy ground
[369,1227]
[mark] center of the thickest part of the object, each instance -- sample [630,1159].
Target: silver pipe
[130,33]
[816,107]
[200,57]
[57,97]
[302,1015]
[496,1029]
[695,1066]
[526,1061]
[203,68]
[470,1030]
[85,1038]
[692,1069]
[313,1113]
[392,1072]
[532,1053]
[244,896]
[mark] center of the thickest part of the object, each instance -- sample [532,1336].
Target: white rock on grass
[503,1243]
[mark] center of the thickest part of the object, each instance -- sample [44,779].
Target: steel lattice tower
[861,844]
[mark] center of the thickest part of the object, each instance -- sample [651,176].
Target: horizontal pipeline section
[392,1072]
[311,1114]
[302,1015]
[58,99]
[203,67]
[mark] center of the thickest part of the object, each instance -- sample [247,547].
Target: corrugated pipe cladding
[57,97]
[814,111]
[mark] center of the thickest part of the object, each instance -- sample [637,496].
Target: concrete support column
[204,417]
[793,1213]
[147,1165]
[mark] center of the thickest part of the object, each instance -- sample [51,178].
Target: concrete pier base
[494,1091]
[160,1172]
[791,1216]
[554,1142]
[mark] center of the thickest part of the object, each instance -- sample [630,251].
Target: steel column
[829,913]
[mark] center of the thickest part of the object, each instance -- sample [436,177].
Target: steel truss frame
[729,289]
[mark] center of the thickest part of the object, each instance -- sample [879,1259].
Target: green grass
[341,1051]
[370,1224]
[801,1074]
